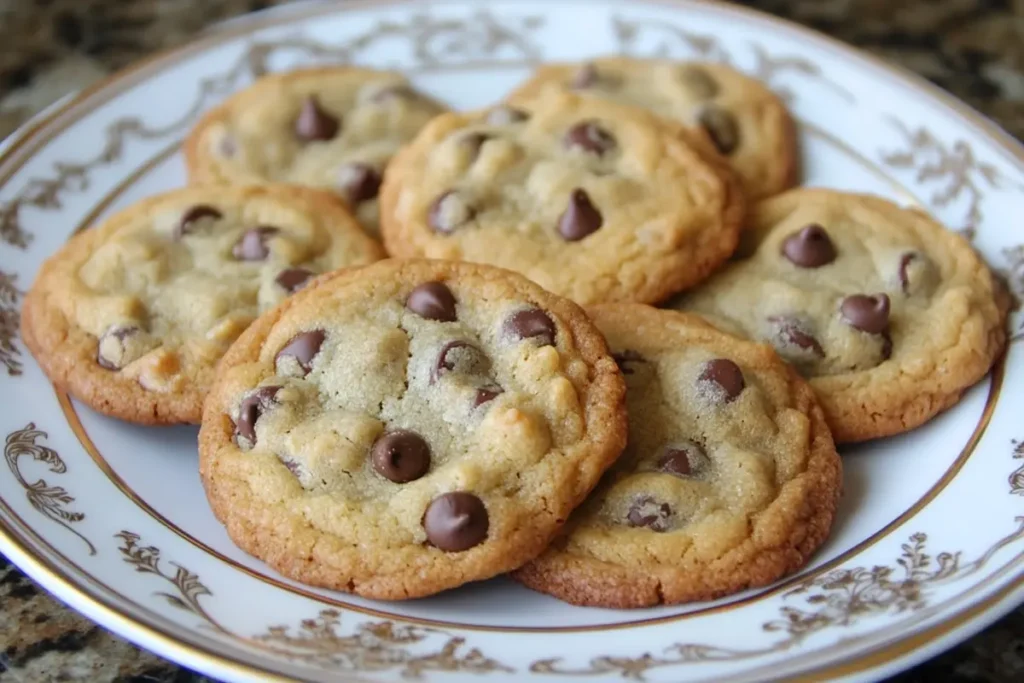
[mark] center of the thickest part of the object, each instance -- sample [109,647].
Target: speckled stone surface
[973,48]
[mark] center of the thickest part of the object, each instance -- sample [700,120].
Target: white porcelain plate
[928,546]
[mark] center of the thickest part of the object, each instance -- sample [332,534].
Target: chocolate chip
[790,332]
[590,137]
[314,123]
[486,395]
[303,347]
[400,456]
[810,247]
[647,512]
[886,346]
[293,279]
[532,323]
[461,357]
[724,378]
[580,219]
[433,301]
[585,77]
[722,128]
[193,216]
[506,116]
[866,313]
[358,182]
[252,246]
[682,460]
[456,521]
[114,336]
[624,358]
[904,278]
[292,466]
[698,82]
[449,211]
[228,146]
[473,143]
[249,411]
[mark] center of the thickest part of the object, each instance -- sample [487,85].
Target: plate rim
[912,647]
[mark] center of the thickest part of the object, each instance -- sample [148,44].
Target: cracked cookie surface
[746,121]
[131,316]
[888,314]
[592,200]
[333,128]
[404,428]
[729,480]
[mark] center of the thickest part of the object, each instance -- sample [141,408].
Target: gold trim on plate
[39,133]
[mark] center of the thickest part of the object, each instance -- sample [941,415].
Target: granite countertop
[973,48]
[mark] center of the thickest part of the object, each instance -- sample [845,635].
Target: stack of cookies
[500,395]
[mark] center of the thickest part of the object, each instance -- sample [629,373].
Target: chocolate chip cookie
[746,122]
[730,478]
[131,316]
[404,428]
[889,315]
[333,128]
[592,200]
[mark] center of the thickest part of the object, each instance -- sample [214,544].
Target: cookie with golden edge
[334,128]
[131,316]
[741,116]
[889,315]
[407,427]
[592,200]
[730,478]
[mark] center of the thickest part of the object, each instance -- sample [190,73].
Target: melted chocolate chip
[790,332]
[585,77]
[647,512]
[486,395]
[400,456]
[314,123]
[721,126]
[449,211]
[810,247]
[119,333]
[590,137]
[866,313]
[193,216]
[252,246]
[292,466]
[293,279]
[624,358]
[506,116]
[456,521]
[532,323]
[724,378]
[358,183]
[251,409]
[433,301]
[303,347]
[905,261]
[461,357]
[580,219]
[698,82]
[682,460]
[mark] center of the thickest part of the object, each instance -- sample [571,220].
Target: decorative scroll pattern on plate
[48,500]
[10,321]
[372,647]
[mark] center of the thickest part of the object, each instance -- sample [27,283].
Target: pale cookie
[745,120]
[592,200]
[131,316]
[729,481]
[888,314]
[334,128]
[401,429]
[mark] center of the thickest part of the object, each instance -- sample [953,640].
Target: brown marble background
[972,48]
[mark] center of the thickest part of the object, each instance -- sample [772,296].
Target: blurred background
[50,48]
